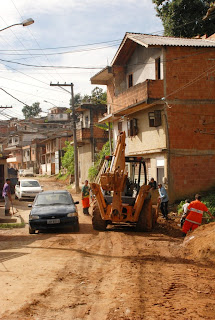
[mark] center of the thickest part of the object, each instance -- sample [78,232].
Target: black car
[53,209]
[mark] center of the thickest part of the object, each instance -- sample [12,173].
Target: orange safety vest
[196,209]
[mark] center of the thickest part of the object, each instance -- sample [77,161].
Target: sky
[69,42]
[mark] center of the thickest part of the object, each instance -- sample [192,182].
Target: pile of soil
[200,244]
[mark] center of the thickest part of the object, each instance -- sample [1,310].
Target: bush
[94,170]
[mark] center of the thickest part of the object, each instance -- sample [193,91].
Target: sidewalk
[11,219]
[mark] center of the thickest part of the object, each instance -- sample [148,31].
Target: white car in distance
[27,189]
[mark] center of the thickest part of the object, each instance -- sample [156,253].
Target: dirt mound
[200,244]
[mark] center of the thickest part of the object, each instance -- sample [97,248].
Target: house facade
[58,114]
[90,138]
[160,91]
[52,151]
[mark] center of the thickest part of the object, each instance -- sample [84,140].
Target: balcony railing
[149,89]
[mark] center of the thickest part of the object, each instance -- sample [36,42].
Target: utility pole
[72,106]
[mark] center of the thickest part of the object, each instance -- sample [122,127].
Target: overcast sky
[69,33]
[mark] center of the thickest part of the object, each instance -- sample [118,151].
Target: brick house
[52,151]
[19,148]
[161,91]
[90,138]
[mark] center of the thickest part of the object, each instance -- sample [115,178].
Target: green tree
[68,158]
[183,18]
[31,111]
[98,96]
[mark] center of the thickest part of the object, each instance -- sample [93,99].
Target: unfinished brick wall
[192,148]
[185,64]
[191,174]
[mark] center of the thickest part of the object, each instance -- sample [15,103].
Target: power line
[14,97]
[65,47]
[35,39]
[60,53]
[33,95]
[23,45]
[60,67]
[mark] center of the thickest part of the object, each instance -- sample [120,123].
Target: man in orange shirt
[194,215]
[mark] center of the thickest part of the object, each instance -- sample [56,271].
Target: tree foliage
[68,158]
[31,111]
[183,18]
[94,170]
[98,96]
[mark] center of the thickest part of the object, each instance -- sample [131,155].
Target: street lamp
[24,23]
[50,103]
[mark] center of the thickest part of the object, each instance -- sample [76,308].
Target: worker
[194,215]
[6,194]
[85,191]
[185,208]
[153,184]
[164,200]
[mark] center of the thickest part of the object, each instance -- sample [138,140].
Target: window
[132,127]
[155,118]
[130,80]
[61,115]
[158,68]
[120,126]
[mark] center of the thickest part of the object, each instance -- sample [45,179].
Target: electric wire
[65,47]
[33,37]
[45,76]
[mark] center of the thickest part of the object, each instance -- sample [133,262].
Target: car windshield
[30,184]
[53,199]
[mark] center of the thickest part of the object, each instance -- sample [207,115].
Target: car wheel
[16,196]
[31,231]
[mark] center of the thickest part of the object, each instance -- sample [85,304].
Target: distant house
[90,138]
[19,146]
[50,156]
[160,90]
[58,114]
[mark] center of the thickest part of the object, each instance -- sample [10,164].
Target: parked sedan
[53,209]
[27,189]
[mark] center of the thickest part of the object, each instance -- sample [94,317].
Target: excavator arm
[114,179]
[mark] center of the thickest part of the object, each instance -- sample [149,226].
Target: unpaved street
[113,275]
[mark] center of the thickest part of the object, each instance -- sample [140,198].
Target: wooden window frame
[154,118]
[158,68]
[130,80]
[132,127]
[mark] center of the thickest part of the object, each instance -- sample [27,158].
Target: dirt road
[113,275]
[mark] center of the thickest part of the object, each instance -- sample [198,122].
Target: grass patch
[12,225]
[62,177]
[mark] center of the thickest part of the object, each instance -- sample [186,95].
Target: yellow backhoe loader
[123,198]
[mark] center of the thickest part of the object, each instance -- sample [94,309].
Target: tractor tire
[97,221]
[145,221]
[154,216]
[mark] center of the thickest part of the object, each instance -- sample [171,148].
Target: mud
[114,275]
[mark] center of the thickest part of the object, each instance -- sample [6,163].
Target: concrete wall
[148,139]
[85,161]
[142,64]
[58,117]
